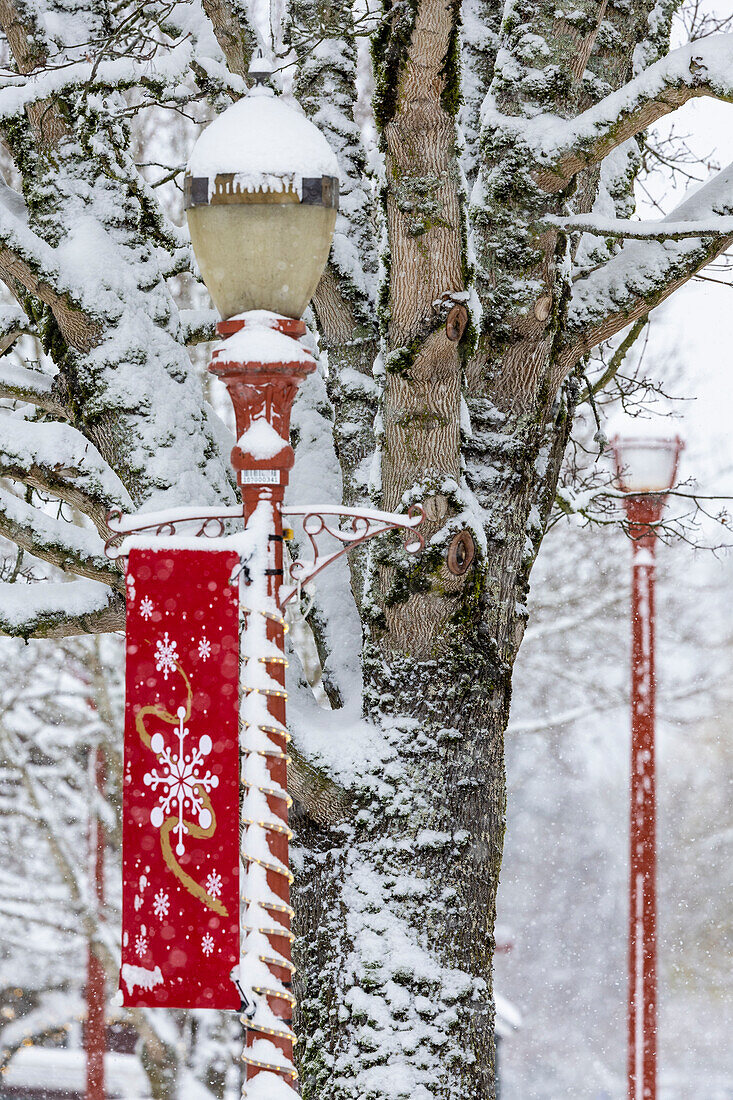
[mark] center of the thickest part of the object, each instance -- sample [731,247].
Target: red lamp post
[646,469]
[261,200]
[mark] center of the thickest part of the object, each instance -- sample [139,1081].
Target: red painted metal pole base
[642,1017]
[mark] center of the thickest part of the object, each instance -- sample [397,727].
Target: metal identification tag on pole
[259,477]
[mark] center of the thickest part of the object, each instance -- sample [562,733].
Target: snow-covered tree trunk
[462,298]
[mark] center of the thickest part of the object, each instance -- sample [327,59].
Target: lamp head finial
[260,69]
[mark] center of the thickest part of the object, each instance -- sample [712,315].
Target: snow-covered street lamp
[261,196]
[646,469]
[262,193]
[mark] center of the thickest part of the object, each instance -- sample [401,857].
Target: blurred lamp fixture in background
[646,464]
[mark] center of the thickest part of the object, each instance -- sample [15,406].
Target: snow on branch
[31,264]
[661,229]
[13,323]
[57,459]
[196,326]
[237,36]
[564,147]
[50,609]
[31,386]
[167,68]
[72,549]
[644,273]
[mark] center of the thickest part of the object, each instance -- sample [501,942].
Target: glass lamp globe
[646,464]
[261,196]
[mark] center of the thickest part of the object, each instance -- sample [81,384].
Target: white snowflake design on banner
[207,944]
[161,904]
[213,884]
[166,655]
[141,942]
[204,649]
[130,582]
[146,607]
[181,781]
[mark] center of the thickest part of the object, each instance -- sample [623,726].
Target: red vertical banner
[180,834]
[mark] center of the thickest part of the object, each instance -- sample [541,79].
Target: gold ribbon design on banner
[156,710]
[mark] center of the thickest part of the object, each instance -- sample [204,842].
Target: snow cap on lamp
[646,458]
[261,196]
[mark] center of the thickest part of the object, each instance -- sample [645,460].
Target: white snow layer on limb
[23,384]
[562,147]
[191,21]
[196,326]
[326,87]
[48,607]
[58,454]
[72,548]
[13,322]
[643,273]
[39,257]
[167,66]
[139,371]
[661,228]
[267,143]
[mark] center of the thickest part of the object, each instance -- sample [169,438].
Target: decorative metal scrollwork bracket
[317,521]
[366,523]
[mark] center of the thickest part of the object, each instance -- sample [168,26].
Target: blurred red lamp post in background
[646,469]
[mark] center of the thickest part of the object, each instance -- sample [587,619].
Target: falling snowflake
[166,655]
[213,884]
[161,905]
[207,944]
[146,609]
[182,785]
[204,649]
[141,944]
